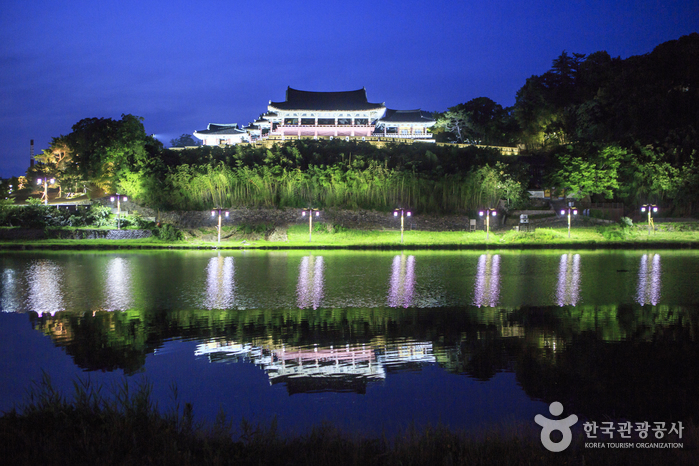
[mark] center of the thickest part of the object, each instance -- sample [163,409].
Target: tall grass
[373,187]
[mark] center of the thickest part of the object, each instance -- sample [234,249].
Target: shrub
[168,233]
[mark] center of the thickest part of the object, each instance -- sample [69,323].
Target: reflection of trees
[632,361]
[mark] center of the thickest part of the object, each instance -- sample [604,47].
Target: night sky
[184,64]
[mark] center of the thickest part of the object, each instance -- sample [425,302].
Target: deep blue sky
[182,64]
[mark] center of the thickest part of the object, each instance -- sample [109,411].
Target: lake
[370,341]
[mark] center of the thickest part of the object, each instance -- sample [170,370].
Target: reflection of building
[325,115]
[346,368]
[402,285]
[487,288]
[649,280]
[309,290]
[568,289]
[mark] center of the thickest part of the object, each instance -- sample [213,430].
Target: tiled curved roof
[221,129]
[407,116]
[308,100]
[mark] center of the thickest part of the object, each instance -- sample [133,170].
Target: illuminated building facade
[325,115]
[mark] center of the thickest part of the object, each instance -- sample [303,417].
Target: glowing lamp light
[408,214]
[213,213]
[643,209]
[303,214]
[494,213]
[563,212]
[111,198]
[480,213]
[227,212]
[655,209]
[317,213]
[395,214]
[38,181]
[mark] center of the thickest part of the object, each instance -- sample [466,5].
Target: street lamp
[402,212]
[221,212]
[571,210]
[46,182]
[118,198]
[650,208]
[309,211]
[487,213]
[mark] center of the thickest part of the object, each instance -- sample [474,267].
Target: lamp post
[487,213]
[221,212]
[118,198]
[651,208]
[46,182]
[571,210]
[310,212]
[402,212]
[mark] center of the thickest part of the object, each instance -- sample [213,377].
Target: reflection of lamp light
[402,284]
[220,283]
[487,288]
[44,279]
[487,212]
[651,208]
[649,280]
[309,211]
[402,212]
[568,291]
[309,290]
[117,286]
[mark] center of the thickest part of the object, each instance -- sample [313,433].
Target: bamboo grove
[339,175]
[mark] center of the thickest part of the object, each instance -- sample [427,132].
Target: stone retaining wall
[355,219]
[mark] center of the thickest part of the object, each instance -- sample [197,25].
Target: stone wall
[355,219]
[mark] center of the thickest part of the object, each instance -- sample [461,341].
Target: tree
[186,140]
[589,175]
[105,150]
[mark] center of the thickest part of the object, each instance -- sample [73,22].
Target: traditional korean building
[216,134]
[325,115]
[404,124]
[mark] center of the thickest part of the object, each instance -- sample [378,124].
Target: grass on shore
[667,235]
[126,427]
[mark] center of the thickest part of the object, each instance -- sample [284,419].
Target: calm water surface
[370,341]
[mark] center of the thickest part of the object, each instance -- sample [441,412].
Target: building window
[291,121]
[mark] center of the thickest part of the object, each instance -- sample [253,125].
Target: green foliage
[168,233]
[98,215]
[625,222]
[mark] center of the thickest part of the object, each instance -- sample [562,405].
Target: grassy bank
[125,426]
[674,235]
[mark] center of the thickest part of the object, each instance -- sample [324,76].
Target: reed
[125,426]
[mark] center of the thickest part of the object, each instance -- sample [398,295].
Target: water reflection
[323,368]
[309,291]
[649,280]
[487,288]
[117,288]
[10,291]
[220,283]
[402,284]
[568,289]
[44,280]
